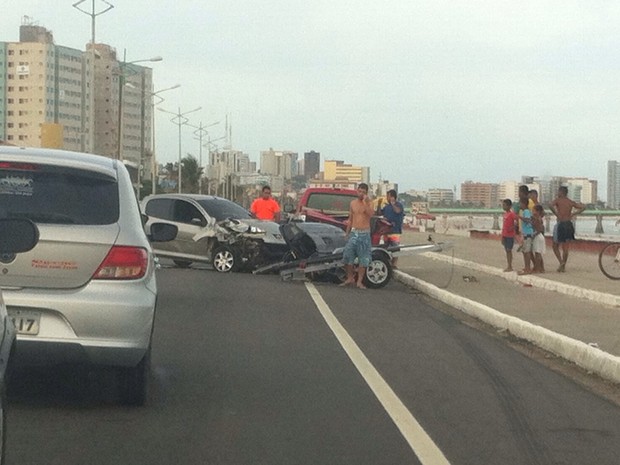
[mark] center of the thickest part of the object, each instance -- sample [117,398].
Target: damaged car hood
[268,231]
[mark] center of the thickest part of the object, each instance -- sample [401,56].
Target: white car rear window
[49,194]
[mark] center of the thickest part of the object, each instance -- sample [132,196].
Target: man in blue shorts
[565,211]
[358,237]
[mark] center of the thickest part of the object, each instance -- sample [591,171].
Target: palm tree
[191,172]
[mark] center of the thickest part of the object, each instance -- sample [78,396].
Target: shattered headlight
[255,230]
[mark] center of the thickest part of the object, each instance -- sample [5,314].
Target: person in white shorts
[538,243]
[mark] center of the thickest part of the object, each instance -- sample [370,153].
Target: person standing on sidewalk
[538,244]
[509,227]
[358,237]
[265,207]
[394,212]
[565,211]
[527,230]
[524,195]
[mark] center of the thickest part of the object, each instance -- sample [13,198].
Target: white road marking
[421,443]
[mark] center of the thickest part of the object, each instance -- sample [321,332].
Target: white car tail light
[123,262]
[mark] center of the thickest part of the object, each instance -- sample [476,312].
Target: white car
[214,230]
[87,292]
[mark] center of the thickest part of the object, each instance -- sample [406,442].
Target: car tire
[226,259]
[379,272]
[182,263]
[133,382]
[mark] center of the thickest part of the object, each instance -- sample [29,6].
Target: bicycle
[609,260]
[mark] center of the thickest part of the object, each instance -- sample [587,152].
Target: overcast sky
[426,93]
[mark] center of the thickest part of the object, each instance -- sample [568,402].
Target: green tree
[191,172]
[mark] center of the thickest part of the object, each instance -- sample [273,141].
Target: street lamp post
[121,83]
[209,144]
[200,132]
[180,119]
[153,159]
[93,13]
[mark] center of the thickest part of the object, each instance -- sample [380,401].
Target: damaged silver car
[214,230]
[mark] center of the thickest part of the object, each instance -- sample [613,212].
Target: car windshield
[220,209]
[48,195]
[334,203]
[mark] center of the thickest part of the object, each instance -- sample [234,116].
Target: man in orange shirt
[265,207]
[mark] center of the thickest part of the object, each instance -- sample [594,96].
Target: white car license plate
[25,321]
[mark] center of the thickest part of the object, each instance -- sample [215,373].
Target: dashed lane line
[420,442]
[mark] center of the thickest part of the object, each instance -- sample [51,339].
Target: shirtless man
[358,237]
[565,210]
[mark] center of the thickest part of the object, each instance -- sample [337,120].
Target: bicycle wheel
[609,261]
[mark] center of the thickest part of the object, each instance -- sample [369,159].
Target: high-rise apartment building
[439,196]
[126,85]
[44,96]
[508,190]
[613,184]
[46,101]
[312,164]
[337,169]
[582,190]
[481,194]
[278,163]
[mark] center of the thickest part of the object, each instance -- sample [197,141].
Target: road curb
[536,281]
[590,358]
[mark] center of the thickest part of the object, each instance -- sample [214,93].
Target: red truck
[325,205]
[331,206]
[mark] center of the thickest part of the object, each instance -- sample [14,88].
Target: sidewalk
[575,314]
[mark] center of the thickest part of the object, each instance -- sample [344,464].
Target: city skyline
[425,94]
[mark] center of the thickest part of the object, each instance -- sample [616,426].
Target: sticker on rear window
[16,185]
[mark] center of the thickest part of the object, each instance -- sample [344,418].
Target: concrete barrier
[587,357]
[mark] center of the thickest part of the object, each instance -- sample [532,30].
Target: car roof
[63,158]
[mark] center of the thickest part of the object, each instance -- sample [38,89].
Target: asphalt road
[247,370]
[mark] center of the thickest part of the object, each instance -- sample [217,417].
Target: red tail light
[123,263]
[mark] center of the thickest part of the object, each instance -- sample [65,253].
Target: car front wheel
[226,259]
